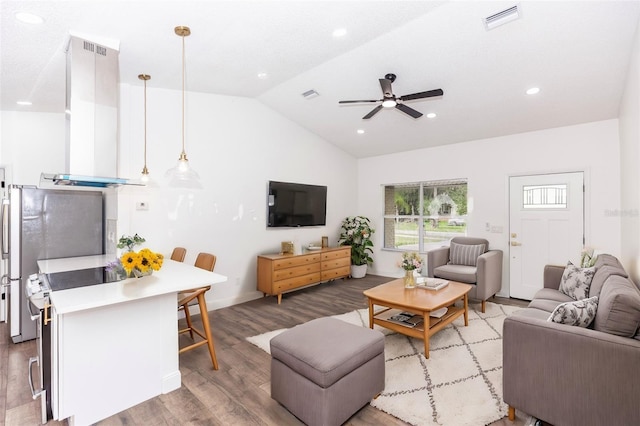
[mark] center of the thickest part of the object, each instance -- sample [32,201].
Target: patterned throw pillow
[463,254]
[576,281]
[580,312]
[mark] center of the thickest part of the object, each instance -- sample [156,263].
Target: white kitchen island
[115,345]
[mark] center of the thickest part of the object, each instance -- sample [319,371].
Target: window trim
[421,217]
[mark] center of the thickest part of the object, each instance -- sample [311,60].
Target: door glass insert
[544,196]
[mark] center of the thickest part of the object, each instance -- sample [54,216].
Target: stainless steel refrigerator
[46,224]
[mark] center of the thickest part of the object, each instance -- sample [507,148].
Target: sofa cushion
[579,312]
[552,294]
[546,304]
[576,281]
[607,259]
[460,273]
[602,273]
[532,313]
[463,254]
[619,310]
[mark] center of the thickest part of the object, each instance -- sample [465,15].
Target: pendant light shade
[182,175]
[145,178]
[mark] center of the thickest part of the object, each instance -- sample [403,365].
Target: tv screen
[296,204]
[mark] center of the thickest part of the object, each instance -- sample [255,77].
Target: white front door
[546,226]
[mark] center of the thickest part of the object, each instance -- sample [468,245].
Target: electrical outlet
[487,227]
[142,205]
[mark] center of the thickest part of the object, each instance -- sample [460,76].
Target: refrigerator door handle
[5,228]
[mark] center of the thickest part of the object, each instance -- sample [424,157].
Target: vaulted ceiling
[576,52]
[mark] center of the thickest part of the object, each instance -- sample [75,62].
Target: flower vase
[136,273]
[409,279]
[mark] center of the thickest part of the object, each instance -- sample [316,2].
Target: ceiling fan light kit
[389,100]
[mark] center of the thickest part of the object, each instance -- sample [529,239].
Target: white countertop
[172,278]
[50,266]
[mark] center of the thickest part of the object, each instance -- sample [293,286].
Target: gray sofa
[484,272]
[569,375]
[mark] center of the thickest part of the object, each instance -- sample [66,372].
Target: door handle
[34,393]
[515,243]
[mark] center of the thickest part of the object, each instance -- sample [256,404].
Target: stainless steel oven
[39,289]
[39,309]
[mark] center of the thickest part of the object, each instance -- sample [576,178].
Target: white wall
[487,165]
[31,143]
[236,145]
[630,164]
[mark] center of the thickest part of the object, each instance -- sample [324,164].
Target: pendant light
[182,175]
[145,171]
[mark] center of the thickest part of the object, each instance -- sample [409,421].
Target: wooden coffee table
[420,301]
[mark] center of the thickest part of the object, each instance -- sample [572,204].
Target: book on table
[409,319]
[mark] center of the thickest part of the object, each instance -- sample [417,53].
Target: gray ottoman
[325,370]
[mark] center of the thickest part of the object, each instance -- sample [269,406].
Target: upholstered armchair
[468,260]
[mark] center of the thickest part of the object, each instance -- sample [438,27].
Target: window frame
[421,217]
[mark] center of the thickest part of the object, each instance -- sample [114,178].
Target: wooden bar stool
[205,261]
[178,254]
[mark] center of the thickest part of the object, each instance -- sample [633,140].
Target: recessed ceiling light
[24,103]
[431,115]
[263,75]
[339,32]
[533,90]
[360,131]
[29,18]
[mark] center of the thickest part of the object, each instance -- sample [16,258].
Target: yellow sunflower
[156,261]
[130,260]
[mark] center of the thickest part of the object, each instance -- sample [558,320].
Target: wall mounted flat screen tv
[296,204]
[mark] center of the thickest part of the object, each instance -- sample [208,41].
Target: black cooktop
[81,278]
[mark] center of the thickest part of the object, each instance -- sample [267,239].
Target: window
[420,216]
[544,197]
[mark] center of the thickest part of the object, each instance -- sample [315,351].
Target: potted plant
[356,232]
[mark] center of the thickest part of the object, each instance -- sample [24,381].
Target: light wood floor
[236,394]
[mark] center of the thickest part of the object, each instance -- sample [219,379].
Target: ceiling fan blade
[421,95]
[412,112]
[373,112]
[386,87]
[357,102]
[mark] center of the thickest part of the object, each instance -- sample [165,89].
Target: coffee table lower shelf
[435,324]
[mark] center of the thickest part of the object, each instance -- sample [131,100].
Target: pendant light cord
[145,124]
[183,95]
[145,77]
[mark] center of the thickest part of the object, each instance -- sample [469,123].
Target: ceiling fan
[390,100]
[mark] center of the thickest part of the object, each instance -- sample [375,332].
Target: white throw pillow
[580,312]
[576,281]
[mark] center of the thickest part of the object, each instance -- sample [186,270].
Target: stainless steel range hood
[80,180]
[92,117]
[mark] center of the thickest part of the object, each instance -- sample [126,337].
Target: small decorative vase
[409,279]
[136,273]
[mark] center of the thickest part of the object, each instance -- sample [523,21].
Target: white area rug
[460,384]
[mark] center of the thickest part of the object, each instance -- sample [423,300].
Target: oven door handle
[34,317]
[34,393]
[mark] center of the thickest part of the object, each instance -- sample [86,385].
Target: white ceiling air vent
[310,94]
[502,17]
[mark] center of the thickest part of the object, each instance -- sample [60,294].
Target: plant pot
[358,271]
